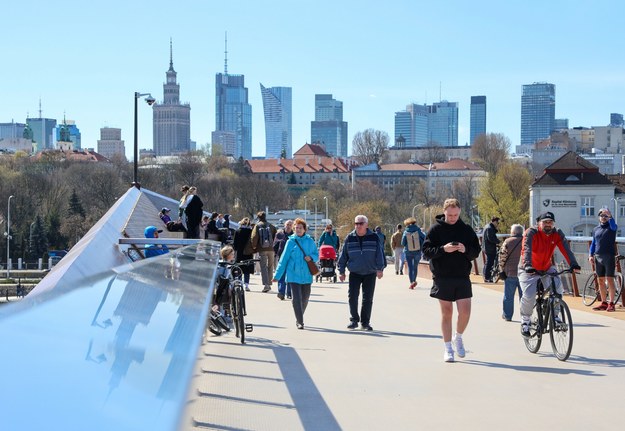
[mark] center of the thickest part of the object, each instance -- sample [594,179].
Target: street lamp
[616,209]
[325,198]
[473,218]
[414,208]
[315,201]
[8,235]
[305,209]
[150,101]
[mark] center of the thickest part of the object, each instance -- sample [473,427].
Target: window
[588,206]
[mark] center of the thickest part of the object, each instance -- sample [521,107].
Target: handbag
[312,266]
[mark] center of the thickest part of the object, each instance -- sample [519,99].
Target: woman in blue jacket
[412,240]
[299,248]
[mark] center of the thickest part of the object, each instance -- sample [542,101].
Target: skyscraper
[329,129]
[478,117]
[12,130]
[443,124]
[43,132]
[412,125]
[172,120]
[233,113]
[538,112]
[278,121]
[70,132]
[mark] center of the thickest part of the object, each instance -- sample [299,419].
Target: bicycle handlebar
[554,274]
[243,262]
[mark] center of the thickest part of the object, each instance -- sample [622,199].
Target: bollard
[40,264]
[19,263]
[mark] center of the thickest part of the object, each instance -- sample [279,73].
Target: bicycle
[235,306]
[544,319]
[591,292]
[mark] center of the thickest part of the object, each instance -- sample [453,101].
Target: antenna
[40,108]
[440,91]
[226,56]
[171,54]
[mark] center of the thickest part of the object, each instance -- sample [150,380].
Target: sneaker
[352,325]
[448,356]
[601,307]
[247,289]
[281,296]
[412,285]
[366,327]
[267,289]
[525,329]
[459,347]
[503,316]
[299,325]
[289,297]
[396,272]
[611,307]
[401,273]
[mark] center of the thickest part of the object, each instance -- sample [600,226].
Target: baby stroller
[327,263]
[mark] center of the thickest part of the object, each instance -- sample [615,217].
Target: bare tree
[369,146]
[491,151]
[436,153]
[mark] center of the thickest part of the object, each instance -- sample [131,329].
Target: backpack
[265,239]
[412,239]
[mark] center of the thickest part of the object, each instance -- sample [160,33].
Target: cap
[149,231]
[165,209]
[546,216]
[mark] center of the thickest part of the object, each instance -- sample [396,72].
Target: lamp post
[414,208]
[472,218]
[325,198]
[150,101]
[305,209]
[616,209]
[8,235]
[315,201]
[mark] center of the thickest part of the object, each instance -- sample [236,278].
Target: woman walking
[243,247]
[299,249]
[412,240]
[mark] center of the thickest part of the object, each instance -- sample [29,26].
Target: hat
[149,231]
[165,210]
[546,216]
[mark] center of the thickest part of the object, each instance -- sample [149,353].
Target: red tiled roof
[315,164]
[309,150]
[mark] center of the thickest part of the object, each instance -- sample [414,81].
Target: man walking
[489,245]
[363,255]
[398,249]
[262,242]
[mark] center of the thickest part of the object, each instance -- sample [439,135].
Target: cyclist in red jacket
[539,243]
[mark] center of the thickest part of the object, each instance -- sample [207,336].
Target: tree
[38,241]
[436,153]
[369,146]
[491,151]
[75,206]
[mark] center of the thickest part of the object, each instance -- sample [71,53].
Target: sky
[85,62]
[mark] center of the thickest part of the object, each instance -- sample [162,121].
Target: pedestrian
[243,247]
[451,246]
[329,237]
[263,235]
[509,255]
[489,245]
[300,248]
[412,240]
[193,211]
[152,250]
[397,249]
[182,207]
[363,255]
[278,247]
[603,253]
[378,230]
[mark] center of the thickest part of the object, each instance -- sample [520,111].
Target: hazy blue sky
[87,59]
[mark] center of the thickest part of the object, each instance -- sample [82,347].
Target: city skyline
[486,49]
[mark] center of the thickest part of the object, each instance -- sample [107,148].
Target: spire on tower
[171,55]
[226,56]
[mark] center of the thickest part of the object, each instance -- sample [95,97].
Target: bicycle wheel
[535,339]
[561,334]
[240,319]
[618,286]
[590,292]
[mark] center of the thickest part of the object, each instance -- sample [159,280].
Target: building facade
[172,119]
[443,124]
[233,113]
[478,117]
[538,112]
[43,132]
[277,106]
[68,132]
[110,143]
[411,125]
[427,125]
[12,130]
[329,129]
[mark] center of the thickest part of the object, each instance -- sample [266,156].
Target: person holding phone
[451,246]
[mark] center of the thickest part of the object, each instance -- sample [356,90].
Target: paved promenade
[327,377]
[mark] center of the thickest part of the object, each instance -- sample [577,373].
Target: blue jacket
[329,239]
[603,238]
[404,241]
[292,260]
[362,255]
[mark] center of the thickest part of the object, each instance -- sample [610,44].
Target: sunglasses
[359,222]
[603,216]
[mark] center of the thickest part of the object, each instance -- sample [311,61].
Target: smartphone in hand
[454,243]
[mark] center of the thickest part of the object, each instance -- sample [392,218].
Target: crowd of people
[450,246]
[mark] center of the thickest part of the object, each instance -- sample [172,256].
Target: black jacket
[194,211]
[490,240]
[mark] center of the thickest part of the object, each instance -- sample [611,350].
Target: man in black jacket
[489,245]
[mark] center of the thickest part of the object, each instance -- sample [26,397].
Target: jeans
[510,285]
[283,286]
[413,258]
[301,295]
[488,267]
[266,266]
[368,287]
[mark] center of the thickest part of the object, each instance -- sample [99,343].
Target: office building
[12,130]
[68,132]
[478,117]
[616,120]
[411,126]
[172,119]
[329,129]
[43,132]
[538,109]
[110,143]
[443,124]
[278,121]
[560,124]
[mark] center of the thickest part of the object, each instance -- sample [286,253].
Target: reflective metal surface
[114,353]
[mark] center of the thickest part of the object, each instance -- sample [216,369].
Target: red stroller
[327,263]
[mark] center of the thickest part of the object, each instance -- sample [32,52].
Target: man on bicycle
[539,243]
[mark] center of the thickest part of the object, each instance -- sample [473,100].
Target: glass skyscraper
[538,112]
[478,117]
[278,121]
[443,124]
[412,125]
[43,132]
[329,129]
[233,113]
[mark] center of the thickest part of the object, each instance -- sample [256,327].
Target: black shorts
[604,265]
[451,289]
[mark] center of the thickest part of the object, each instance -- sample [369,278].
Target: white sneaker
[459,347]
[448,356]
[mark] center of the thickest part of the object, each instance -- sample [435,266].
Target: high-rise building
[68,132]
[560,123]
[12,130]
[110,142]
[278,121]
[43,132]
[172,119]
[233,113]
[412,126]
[616,120]
[329,129]
[443,124]
[538,112]
[478,117]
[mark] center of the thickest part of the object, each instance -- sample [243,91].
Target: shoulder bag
[312,266]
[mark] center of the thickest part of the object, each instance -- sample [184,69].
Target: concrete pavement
[327,377]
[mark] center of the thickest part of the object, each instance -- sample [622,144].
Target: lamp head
[150,100]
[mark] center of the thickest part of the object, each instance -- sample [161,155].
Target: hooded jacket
[410,229]
[456,264]
[292,260]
